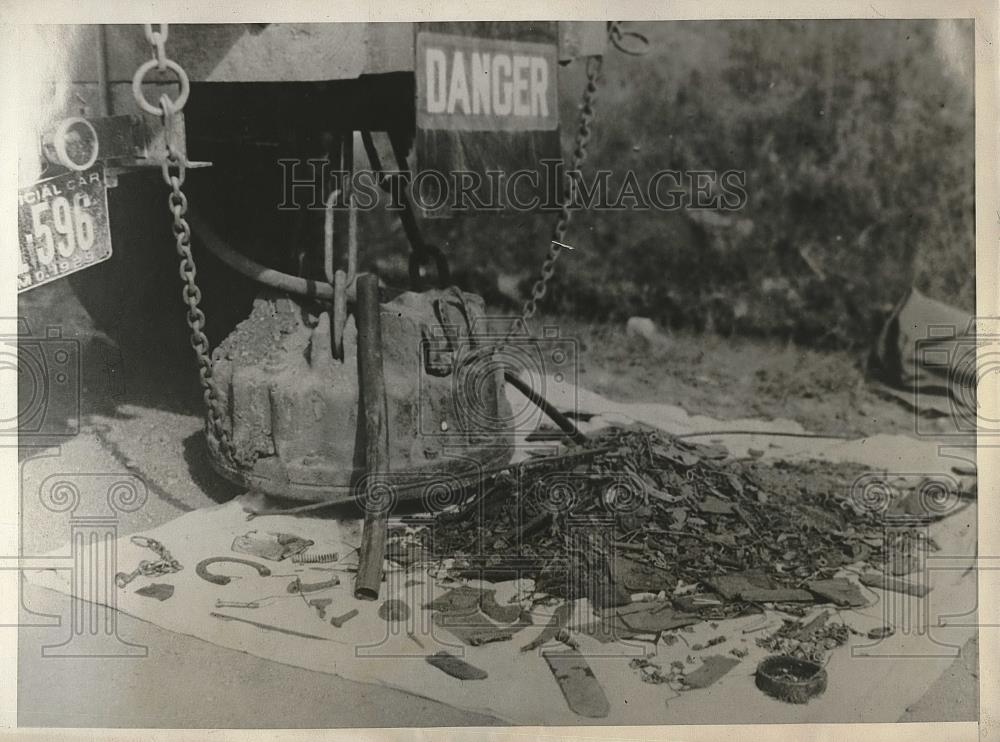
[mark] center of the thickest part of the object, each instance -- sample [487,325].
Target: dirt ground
[736,377]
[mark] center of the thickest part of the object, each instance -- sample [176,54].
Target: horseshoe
[202,569]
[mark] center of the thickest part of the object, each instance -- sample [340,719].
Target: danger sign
[478,84]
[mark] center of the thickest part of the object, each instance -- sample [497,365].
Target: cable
[785,434]
[262,274]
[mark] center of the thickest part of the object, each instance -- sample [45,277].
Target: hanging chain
[569,193]
[174,168]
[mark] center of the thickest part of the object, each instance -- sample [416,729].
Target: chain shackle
[632,43]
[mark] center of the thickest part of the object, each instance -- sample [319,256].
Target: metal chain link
[166,564]
[174,169]
[158,40]
[583,131]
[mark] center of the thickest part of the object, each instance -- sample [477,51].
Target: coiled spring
[318,558]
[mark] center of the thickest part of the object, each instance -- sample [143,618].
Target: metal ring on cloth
[138,80]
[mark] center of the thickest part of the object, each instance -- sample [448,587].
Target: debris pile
[660,537]
[634,512]
[810,641]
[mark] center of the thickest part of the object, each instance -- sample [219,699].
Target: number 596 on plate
[63,225]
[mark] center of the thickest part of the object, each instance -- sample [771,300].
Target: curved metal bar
[262,274]
[202,569]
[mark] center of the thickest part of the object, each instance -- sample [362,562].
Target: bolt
[339,621]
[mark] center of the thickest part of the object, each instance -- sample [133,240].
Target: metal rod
[352,212]
[103,83]
[543,404]
[328,219]
[268,627]
[371,383]
[339,312]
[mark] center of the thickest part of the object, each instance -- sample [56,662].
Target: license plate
[63,225]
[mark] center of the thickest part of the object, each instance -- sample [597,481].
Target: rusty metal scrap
[648,513]
[711,670]
[271,546]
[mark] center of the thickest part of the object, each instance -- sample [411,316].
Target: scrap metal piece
[297,586]
[716,506]
[710,643]
[894,584]
[839,591]
[406,555]
[394,610]
[805,631]
[372,393]
[756,586]
[607,629]
[159,590]
[499,613]
[415,640]
[654,616]
[882,632]
[339,621]
[202,569]
[560,618]
[219,603]
[790,679]
[475,629]
[271,546]
[321,604]
[267,626]
[456,667]
[164,565]
[712,668]
[565,637]
[324,557]
[462,599]
[579,686]
[638,577]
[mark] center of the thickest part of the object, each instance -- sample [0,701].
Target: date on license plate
[63,226]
